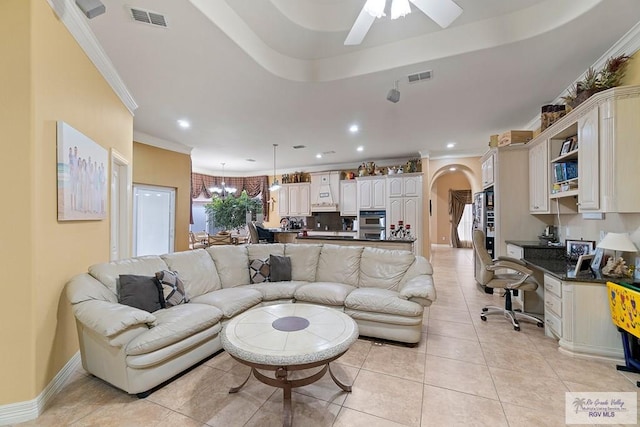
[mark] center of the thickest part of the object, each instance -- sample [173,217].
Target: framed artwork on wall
[575,248]
[82,176]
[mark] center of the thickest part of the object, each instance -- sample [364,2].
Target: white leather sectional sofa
[135,350]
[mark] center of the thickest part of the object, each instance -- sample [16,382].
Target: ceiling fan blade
[443,12]
[360,28]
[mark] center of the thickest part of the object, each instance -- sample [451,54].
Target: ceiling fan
[443,12]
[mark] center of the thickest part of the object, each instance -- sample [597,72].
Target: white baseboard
[29,410]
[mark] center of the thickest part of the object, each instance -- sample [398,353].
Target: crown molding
[76,23]
[143,138]
[628,45]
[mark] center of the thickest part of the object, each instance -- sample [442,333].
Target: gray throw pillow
[280,268]
[141,292]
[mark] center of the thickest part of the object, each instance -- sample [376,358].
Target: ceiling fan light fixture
[400,8]
[375,8]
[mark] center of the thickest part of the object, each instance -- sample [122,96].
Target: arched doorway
[449,177]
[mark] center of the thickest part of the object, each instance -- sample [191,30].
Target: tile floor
[464,372]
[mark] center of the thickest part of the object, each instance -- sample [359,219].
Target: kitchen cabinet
[348,198]
[539,177]
[405,204]
[372,193]
[294,199]
[404,185]
[578,315]
[605,126]
[488,176]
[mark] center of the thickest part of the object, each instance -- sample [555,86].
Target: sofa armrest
[108,319]
[420,289]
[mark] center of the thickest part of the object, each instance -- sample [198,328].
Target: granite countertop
[532,244]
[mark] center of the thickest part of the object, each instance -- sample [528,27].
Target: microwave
[371,220]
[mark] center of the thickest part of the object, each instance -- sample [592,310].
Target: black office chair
[258,234]
[520,280]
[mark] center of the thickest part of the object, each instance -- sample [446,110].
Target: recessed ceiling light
[318,156]
[360,148]
[184,124]
[452,169]
[451,145]
[354,128]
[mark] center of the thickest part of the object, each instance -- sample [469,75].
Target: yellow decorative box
[625,308]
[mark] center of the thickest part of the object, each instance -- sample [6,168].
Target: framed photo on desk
[596,261]
[584,263]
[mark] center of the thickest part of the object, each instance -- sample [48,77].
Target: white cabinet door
[395,213]
[487,172]
[348,198]
[283,201]
[304,200]
[588,162]
[396,186]
[539,178]
[379,193]
[365,196]
[412,186]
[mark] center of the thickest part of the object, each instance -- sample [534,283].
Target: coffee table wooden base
[282,381]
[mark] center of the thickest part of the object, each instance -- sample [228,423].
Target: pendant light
[276,185]
[224,190]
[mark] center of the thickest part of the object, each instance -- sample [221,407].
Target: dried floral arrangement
[609,76]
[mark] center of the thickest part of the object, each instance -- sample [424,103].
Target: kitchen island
[404,245]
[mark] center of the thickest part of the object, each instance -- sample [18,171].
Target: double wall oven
[372,225]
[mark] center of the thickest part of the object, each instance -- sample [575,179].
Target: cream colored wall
[47,77]
[274,217]
[632,76]
[17,373]
[164,168]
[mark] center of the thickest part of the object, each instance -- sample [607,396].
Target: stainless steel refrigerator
[484,219]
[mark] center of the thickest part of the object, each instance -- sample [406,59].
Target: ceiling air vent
[418,77]
[297,147]
[148,17]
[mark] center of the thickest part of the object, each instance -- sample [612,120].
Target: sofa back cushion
[339,264]
[419,267]
[304,261]
[196,270]
[383,269]
[263,250]
[232,263]
[108,272]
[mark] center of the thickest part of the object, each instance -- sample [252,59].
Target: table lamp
[617,242]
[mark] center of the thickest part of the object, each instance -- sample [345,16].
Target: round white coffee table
[289,337]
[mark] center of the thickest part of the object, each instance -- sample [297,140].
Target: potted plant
[229,213]
[610,76]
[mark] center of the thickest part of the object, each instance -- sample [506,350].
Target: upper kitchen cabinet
[539,177]
[592,156]
[294,199]
[404,185]
[325,191]
[488,169]
[348,198]
[372,193]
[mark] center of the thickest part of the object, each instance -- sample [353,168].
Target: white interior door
[120,210]
[153,220]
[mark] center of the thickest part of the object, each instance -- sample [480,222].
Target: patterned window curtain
[457,200]
[253,185]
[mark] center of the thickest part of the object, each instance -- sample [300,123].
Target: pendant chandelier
[223,191]
[276,185]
